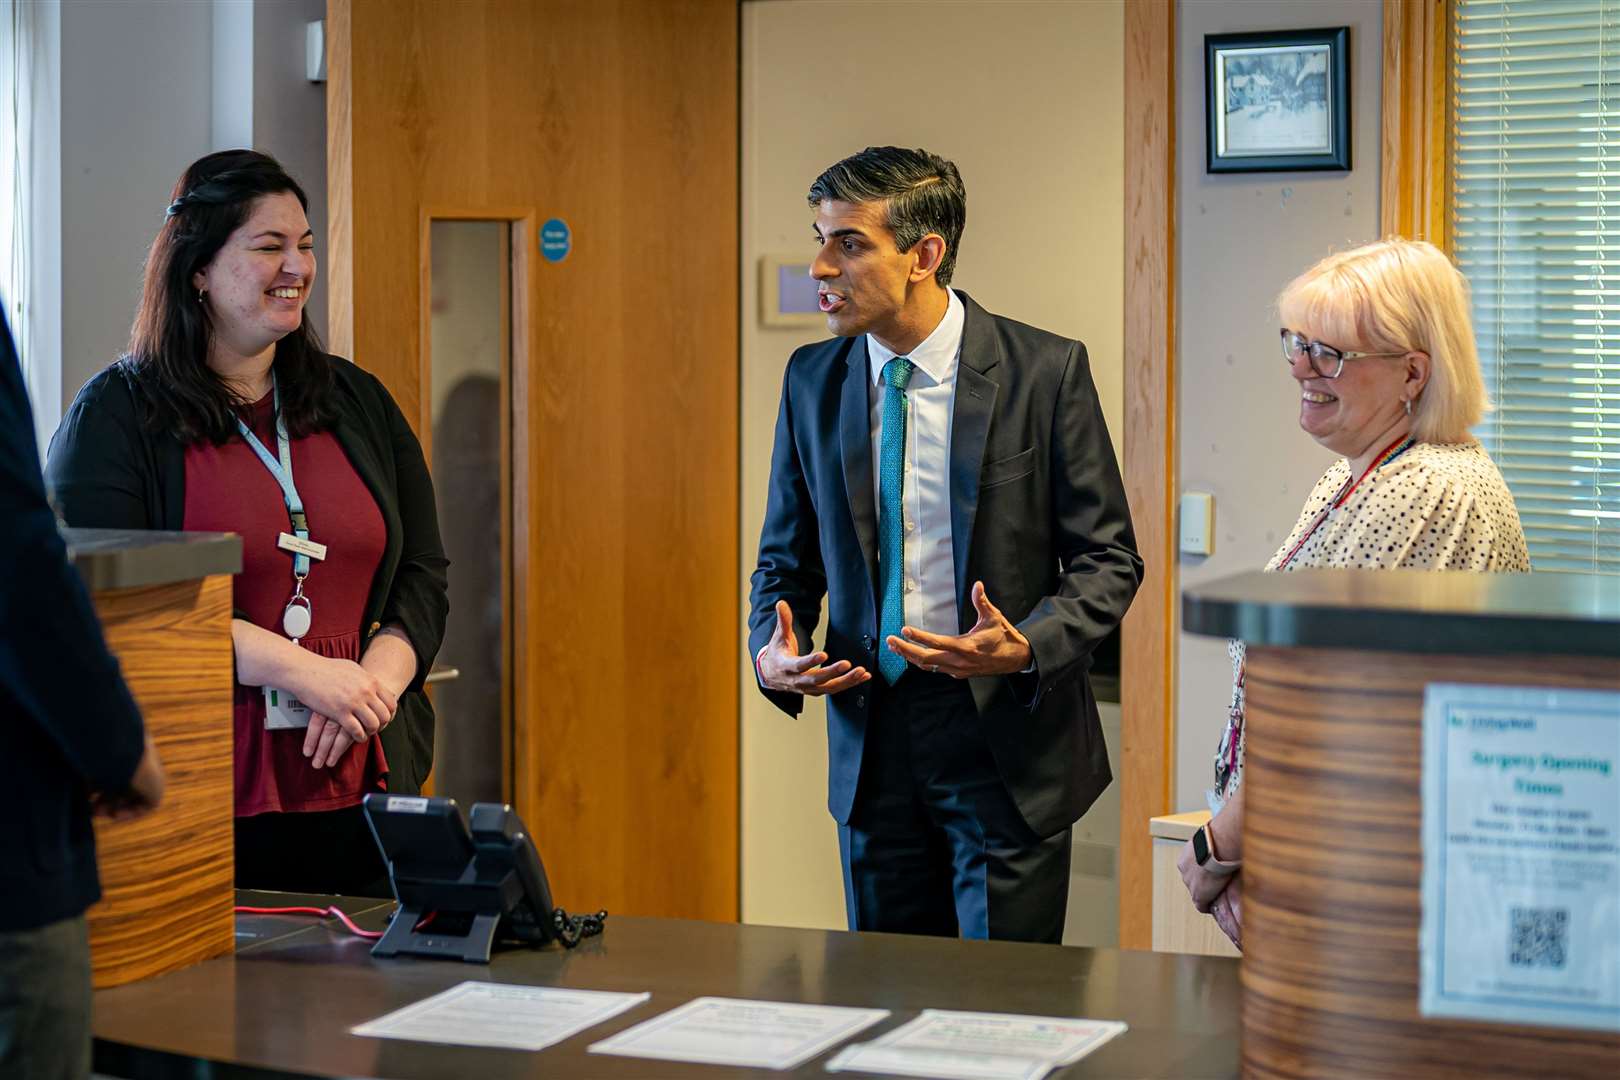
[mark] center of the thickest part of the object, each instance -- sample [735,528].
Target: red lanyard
[1390,453]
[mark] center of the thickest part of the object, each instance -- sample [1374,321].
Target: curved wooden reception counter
[167,879]
[1338,662]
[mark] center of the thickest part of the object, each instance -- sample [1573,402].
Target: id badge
[283,712]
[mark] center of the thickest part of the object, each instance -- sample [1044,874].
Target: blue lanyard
[283,472]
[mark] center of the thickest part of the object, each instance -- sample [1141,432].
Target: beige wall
[123,66]
[1029,106]
[138,103]
[1241,238]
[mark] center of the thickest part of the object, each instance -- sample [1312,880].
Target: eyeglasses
[1326,361]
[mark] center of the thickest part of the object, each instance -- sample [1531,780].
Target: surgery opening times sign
[1521,855]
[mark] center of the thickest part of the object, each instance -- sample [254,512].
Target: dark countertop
[126,558]
[285,1002]
[1413,611]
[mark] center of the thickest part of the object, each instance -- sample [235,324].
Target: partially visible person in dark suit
[943,477]
[71,741]
[227,415]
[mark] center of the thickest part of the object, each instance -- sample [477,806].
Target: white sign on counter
[496,1014]
[947,1045]
[728,1031]
[1521,855]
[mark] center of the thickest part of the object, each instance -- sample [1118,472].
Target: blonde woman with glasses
[1380,342]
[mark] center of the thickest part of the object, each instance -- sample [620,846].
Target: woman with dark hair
[227,415]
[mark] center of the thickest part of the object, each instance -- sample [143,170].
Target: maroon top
[228,489]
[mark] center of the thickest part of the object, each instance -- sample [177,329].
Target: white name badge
[299,546]
[282,711]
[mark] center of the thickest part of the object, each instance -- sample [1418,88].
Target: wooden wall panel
[168,879]
[339,268]
[1147,641]
[1416,161]
[1333,867]
[621,118]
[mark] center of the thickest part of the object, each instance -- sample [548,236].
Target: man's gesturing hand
[993,647]
[782,668]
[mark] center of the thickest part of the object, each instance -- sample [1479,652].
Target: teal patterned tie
[891,520]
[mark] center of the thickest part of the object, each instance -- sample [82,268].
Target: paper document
[978,1046]
[495,1014]
[1521,856]
[725,1031]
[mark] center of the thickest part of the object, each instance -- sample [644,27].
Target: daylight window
[1536,227]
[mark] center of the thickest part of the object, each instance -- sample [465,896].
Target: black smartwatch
[1204,852]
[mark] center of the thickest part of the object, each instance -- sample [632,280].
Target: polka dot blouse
[1434,507]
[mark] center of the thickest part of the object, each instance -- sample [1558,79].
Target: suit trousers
[45,1002]
[935,843]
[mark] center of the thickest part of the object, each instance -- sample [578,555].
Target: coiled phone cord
[572,929]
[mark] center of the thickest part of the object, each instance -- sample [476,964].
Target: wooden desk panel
[1333,864]
[168,879]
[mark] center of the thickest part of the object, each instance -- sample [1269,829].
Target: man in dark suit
[72,742]
[944,478]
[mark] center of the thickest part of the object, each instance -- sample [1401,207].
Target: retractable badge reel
[299,614]
[295,621]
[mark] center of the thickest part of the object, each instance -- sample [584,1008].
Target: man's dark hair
[168,347]
[922,193]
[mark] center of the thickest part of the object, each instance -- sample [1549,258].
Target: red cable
[332,912]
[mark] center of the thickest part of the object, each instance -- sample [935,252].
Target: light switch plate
[315,50]
[1197,523]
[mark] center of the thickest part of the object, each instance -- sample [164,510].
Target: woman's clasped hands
[350,705]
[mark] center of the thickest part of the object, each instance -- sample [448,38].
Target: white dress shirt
[930,570]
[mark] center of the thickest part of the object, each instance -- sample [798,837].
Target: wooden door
[621,119]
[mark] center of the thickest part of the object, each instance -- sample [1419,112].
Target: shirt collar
[936,357]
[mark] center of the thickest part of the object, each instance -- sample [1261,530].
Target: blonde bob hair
[1395,296]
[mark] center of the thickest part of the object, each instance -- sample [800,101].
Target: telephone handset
[502,842]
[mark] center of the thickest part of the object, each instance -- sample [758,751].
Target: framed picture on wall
[787,293]
[1278,101]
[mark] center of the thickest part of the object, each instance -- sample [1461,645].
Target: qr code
[1538,937]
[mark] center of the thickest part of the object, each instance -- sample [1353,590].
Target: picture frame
[1277,101]
[787,293]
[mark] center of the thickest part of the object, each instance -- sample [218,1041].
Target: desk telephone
[459,889]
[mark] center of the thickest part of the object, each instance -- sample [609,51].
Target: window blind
[1536,229]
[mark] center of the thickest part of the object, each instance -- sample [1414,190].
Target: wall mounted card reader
[1197,523]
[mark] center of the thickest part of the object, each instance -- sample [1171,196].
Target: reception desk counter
[1338,662]
[285,1003]
[167,879]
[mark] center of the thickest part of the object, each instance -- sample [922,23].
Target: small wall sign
[556,241]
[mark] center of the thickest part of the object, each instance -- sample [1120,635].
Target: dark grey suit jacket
[68,726]
[1038,514]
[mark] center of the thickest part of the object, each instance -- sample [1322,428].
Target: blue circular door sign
[555,240]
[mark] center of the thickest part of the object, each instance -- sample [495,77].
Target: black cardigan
[109,469]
